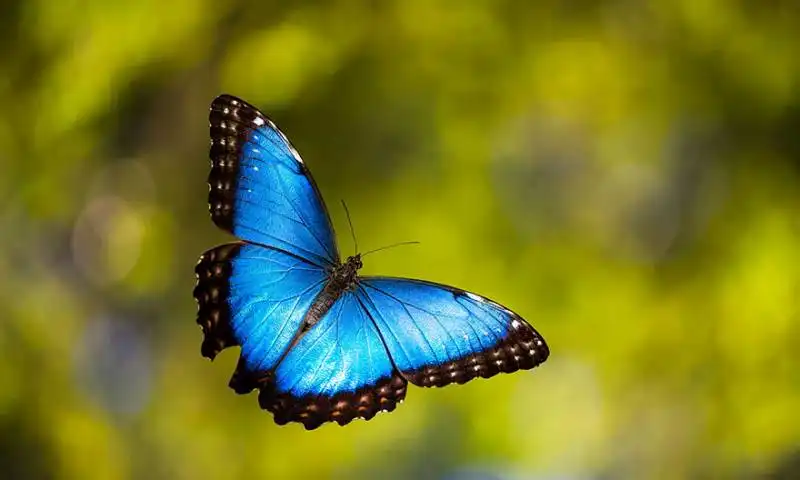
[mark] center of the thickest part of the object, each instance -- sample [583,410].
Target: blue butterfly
[319,342]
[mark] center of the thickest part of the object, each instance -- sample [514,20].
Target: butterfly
[318,341]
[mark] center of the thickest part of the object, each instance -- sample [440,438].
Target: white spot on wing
[515,323]
[289,145]
[474,297]
[259,121]
[296,155]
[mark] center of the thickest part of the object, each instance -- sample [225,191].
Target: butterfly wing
[438,335]
[260,190]
[337,371]
[255,297]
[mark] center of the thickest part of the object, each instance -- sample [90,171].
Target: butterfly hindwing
[211,293]
[260,190]
[255,297]
[339,370]
[439,335]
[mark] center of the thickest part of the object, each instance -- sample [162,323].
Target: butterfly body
[342,277]
[319,342]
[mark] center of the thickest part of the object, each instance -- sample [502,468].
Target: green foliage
[623,174]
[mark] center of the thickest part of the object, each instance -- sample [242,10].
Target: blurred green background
[624,174]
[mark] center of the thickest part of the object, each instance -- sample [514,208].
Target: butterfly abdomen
[324,301]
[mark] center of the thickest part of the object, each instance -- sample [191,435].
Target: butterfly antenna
[390,246]
[352,230]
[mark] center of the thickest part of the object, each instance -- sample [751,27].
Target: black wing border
[507,356]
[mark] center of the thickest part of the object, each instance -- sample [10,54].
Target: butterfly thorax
[345,276]
[342,277]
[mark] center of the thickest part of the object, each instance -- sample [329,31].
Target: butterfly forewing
[439,335]
[260,190]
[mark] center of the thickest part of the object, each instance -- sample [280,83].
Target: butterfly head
[346,274]
[354,263]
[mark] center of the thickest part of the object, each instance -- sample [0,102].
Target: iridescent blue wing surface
[260,190]
[257,298]
[437,335]
[337,371]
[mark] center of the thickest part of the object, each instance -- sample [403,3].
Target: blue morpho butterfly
[318,341]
